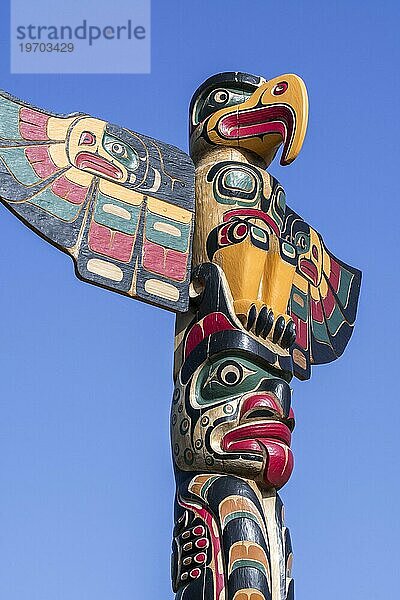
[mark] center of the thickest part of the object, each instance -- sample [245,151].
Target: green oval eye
[121,152]
[239,179]
[302,241]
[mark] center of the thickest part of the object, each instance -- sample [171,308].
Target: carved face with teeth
[233,415]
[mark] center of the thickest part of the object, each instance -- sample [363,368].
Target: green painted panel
[300,310]
[240,514]
[344,285]
[167,232]
[19,165]
[248,562]
[56,206]
[335,320]
[239,180]
[320,332]
[9,122]
[116,214]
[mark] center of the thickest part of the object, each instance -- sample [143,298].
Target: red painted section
[210,324]
[110,243]
[244,130]
[88,161]
[33,125]
[257,122]
[274,430]
[279,464]
[170,263]
[334,276]
[329,303]
[200,558]
[194,338]
[245,446]
[223,239]
[40,161]
[241,230]
[280,88]
[264,400]
[87,139]
[218,573]
[64,188]
[214,322]
[309,270]
[273,437]
[301,332]
[316,311]
[195,573]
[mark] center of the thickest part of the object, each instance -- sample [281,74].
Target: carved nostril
[315,252]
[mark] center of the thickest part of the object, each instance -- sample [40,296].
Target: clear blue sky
[86,484]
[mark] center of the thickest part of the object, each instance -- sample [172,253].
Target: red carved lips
[275,118]
[263,433]
[94,162]
[249,437]
[309,269]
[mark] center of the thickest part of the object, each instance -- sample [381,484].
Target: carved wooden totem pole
[258,301]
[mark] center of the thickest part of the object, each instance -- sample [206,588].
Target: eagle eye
[220,96]
[215,99]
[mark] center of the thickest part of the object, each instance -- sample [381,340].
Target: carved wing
[323,299]
[120,203]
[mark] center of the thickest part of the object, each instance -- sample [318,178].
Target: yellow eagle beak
[275,114]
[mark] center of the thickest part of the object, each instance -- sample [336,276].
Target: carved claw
[280,329]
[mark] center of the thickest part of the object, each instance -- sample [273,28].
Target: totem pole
[258,297]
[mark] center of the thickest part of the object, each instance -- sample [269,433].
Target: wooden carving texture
[261,300]
[268,301]
[119,203]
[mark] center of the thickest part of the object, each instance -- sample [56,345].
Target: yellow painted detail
[168,210]
[57,127]
[121,193]
[58,155]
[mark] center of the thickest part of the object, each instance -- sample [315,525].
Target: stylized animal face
[94,149]
[310,253]
[241,232]
[235,415]
[246,111]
